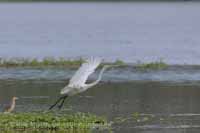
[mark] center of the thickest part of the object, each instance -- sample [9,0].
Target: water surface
[163,105]
[177,104]
[167,100]
[128,31]
[115,74]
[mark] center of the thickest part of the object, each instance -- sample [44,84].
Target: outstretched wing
[87,68]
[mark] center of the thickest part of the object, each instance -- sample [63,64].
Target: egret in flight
[77,83]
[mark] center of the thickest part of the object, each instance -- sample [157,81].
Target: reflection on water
[173,107]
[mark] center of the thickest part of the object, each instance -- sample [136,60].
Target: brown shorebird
[10,107]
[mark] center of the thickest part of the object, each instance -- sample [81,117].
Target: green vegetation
[157,65]
[47,61]
[69,63]
[119,62]
[50,121]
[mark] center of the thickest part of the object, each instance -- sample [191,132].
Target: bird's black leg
[63,100]
[63,97]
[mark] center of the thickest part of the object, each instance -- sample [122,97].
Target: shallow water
[163,106]
[166,100]
[128,31]
[115,74]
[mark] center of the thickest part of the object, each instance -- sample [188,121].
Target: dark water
[172,107]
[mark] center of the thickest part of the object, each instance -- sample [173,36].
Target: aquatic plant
[136,115]
[47,61]
[157,65]
[75,63]
[134,118]
[119,62]
[50,121]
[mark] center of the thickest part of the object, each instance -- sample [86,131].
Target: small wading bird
[77,83]
[10,107]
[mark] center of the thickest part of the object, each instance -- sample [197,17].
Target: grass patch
[45,62]
[50,62]
[157,65]
[50,121]
[119,62]
[75,63]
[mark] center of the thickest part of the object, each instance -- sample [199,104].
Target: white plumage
[87,68]
[77,83]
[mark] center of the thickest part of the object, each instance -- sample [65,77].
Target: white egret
[77,83]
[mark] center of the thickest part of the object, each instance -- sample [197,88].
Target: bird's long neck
[13,104]
[98,79]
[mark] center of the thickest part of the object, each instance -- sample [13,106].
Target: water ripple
[176,74]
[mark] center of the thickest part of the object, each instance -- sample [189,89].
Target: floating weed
[136,115]
[120,119]
[47,61]
[74,63]
[157,65]
[119,62]
[50,62]
[144,118]
[51,121]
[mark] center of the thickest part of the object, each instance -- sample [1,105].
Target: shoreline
[73,63]
[70,63]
